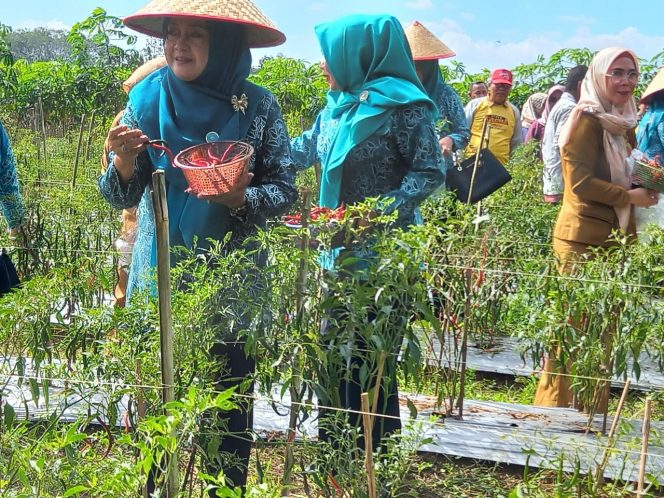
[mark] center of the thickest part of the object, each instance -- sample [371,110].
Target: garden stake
[367,422]
[295,387]
[165,317]
[89,139]
[379,378]
[644,447]
[464,343]
[43,126]
[599,473]
[78,151]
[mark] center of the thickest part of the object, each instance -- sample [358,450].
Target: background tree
[40,44]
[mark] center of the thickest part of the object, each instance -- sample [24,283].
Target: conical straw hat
[143,71]
[656,85]
[424,44]
[260,30]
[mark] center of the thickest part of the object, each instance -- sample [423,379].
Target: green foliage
[300,89]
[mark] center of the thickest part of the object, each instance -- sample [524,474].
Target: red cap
[501,76]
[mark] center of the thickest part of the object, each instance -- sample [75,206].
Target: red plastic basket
[214,168]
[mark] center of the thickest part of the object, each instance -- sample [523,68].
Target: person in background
[452,127]
[552,174]
[503,118]
[478,89]
[532,111]
[651,128]
[125,241]
[11,200]
[595,142]
[377,140]
[536,129]
[204,91]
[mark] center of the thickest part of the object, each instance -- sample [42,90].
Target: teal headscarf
[183,112]
[370,60]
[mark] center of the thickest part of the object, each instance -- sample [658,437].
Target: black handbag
[8,275]
[478,176]
[489,177]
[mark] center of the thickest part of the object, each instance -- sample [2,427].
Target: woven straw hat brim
[261,32]
[424,45]
[656,85]
[142,71]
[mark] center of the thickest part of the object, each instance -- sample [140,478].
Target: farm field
[81,411]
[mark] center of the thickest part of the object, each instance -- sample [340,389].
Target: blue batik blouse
[10,196]
[270,193]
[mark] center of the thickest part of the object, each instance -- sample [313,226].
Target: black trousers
[230,430]
[225,436]
[350,389]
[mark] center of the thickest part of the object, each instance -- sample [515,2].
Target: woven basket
[215,179]
[648,176]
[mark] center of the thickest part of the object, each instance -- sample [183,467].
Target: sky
[484,34]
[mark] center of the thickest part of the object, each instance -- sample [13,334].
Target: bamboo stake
[89,139]
[165,316]
[78,151]
[43,126]
[367,422]
[599,473]
[644,447]
[379,378]
[295,387]
[464,344]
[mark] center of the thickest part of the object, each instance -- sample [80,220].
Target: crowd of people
[390,128]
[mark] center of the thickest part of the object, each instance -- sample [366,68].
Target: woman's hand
[643,197]
[446,145]
[127,143]
[233,199]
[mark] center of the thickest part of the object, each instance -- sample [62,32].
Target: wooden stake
[78,151]
[43,126]
[367,422]
[644,447]
[295,387]
[165,315]
[464,343]
[89,139]
[599,473]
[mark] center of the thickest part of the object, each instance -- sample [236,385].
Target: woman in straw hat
[452,126]
[595,143]
[203,92]
[651,127]
[375,138]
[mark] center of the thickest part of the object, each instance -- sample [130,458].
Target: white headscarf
[614,120]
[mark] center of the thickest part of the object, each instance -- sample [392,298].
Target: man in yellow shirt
[504,118]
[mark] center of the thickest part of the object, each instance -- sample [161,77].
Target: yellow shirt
[502,126]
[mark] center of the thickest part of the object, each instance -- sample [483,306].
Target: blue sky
[482,33]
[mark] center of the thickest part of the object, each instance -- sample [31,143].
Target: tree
[40,44]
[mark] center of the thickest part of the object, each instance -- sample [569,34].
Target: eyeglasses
[195,35]
[618,75]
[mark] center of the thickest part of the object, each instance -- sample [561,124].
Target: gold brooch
[240,104]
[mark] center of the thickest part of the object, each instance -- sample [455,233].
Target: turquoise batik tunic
[452,120]
[10,197]
[270,193]
[403,162]
[651,130]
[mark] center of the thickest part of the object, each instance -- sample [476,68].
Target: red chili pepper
[161,145]
[214,159]
[200,162]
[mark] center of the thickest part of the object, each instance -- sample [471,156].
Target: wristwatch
[239,212]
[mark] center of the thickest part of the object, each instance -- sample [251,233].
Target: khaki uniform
[586,219]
